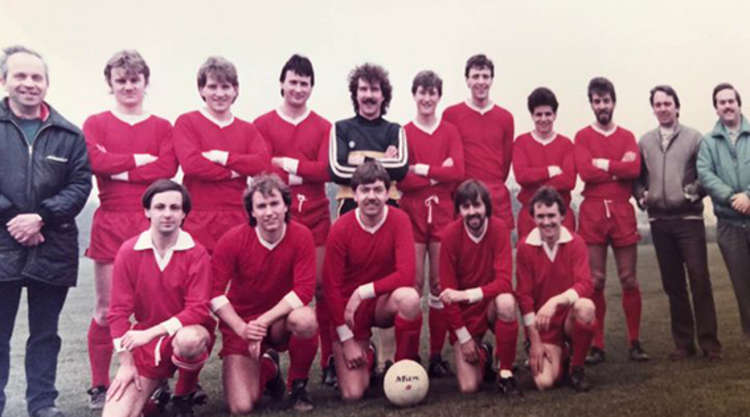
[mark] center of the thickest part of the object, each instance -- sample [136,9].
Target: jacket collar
[720,131]
[49,116]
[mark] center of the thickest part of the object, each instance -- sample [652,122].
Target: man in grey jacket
[725,174]
[45,180]
[670,191]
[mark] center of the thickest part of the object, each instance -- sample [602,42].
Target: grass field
[621,388]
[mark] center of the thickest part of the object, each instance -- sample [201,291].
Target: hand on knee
[190,342]
[584,310]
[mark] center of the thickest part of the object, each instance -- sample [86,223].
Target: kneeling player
[475,272]
[264,277]
[163,278]
[368,278]
[553,284]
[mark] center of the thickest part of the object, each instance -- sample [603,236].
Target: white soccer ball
[406,383]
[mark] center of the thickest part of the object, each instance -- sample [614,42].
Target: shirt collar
[425,129]
[535,239]
[543,142]
[477,239]
[184,241]
[293,121]
[371,230]
[221,123]
[490,105]
[266,244]
[604,132]
[131,119]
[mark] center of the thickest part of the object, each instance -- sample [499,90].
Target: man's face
[548,220]
[269,210]
[544,119]
[369,99]
[664,109]
[474,214]
[479,82]
[218,96]
[427,100]
[727,107]
[166,214]
[371,198]
[127,87]
[296,88]
[26,81]
[603,107]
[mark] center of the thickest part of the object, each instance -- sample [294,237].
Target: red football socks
[407,337]
[600,303]
[100,353]
[438,325]
[506,333]
[581,341]
[324,324]
[631,305]
[301,356]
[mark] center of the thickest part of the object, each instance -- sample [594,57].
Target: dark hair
[300,65]
[427,80]
[12,50]
[479,61]
[547,196]
[131,61]
[469,191]
[220,68]
[373,74]
[369,172]
[601,86]
[265,184]
[162,186]
[666,90]
[726,86]
[541,96]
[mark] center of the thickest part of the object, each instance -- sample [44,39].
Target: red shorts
[110,229]
[555,333]
[474,317]
[526,223]
[603,221]
[428,216]
[207,226]
[233,344]
[501,207]
[154,359]
[315,214]
[364,319]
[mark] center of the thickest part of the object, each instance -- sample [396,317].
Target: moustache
[369,101]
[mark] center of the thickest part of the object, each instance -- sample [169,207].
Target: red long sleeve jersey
[210,184]
[154,295]
[306,141]
[617,183]
[432,149]
[487,138]
[355,255]
[111,144]
[255,275]
[531,159]
[542,273]
[467,262]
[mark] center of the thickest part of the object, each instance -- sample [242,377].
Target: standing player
[264,277]
[368,279]
[217,151]
[163,279]
[475,274]
[436,164]
[553,284]
[297,138]
[543,157]
[128,149]
[487,133]
[608,160]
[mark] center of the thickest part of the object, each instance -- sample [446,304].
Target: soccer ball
[406,383]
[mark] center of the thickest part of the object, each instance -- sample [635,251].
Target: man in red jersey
[264,277]
[217,152]
[608,160]
[368,278]
[163,279]
[543,157]
[553,285]
[475,273]
[436,164]
[297,139]
[128,149]
[487,133]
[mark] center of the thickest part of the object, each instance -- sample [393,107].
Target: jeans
[45,303]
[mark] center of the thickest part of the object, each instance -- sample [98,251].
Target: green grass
[621,388]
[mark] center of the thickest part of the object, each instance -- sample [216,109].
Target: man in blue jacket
[725,174]
[45,180]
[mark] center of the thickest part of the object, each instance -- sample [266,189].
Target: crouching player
[368,280]
[553,285]
[264,277]
[475,272]
[163,278]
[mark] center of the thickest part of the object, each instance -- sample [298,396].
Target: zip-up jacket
[52,178]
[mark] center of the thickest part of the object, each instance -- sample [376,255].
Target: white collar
[293,121]
[543,142]
[604,132]
[477,239]
[535,239]
[131,119]
[266,244]
[425,129]
[490,105]
[373,229]
[221,123]
[184,242]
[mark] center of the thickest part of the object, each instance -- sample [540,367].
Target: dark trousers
[734,242]
[681,244]
[45,303]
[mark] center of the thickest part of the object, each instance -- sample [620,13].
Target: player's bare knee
[352,392]
[584,310]
[407,300]
[505,305]
[302,322]
[190,341]
[544,381]
[241,406]
[628,280]
[468,386]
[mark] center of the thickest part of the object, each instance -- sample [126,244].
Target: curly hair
[541,96]
[470,191]
[373,74]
